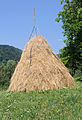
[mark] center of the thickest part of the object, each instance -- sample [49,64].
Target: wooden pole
[35,23]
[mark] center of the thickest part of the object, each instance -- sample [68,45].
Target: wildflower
[58,111]
[61,104]
[43,105]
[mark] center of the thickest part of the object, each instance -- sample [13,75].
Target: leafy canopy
[71,16]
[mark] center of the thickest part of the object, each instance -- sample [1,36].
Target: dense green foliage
[9,56]
[63,104]
[71,16]
[9,53]
[6,72]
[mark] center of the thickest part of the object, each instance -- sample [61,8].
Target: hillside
[63,104]
[9,53]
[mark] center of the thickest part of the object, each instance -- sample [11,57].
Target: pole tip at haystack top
[35,23]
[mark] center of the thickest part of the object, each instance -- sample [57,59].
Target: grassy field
[64,104]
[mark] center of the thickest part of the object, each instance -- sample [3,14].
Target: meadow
[63,104]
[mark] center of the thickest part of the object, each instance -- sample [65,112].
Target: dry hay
[39,69]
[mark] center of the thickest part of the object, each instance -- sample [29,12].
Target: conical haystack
[39,69]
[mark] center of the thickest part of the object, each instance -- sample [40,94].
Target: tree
[71,16]
[1,74]
[9,69]
[6,72]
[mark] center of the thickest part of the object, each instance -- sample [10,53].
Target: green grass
[64,104]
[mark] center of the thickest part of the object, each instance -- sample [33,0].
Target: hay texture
[39,69]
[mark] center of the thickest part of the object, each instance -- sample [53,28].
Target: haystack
[39,69]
